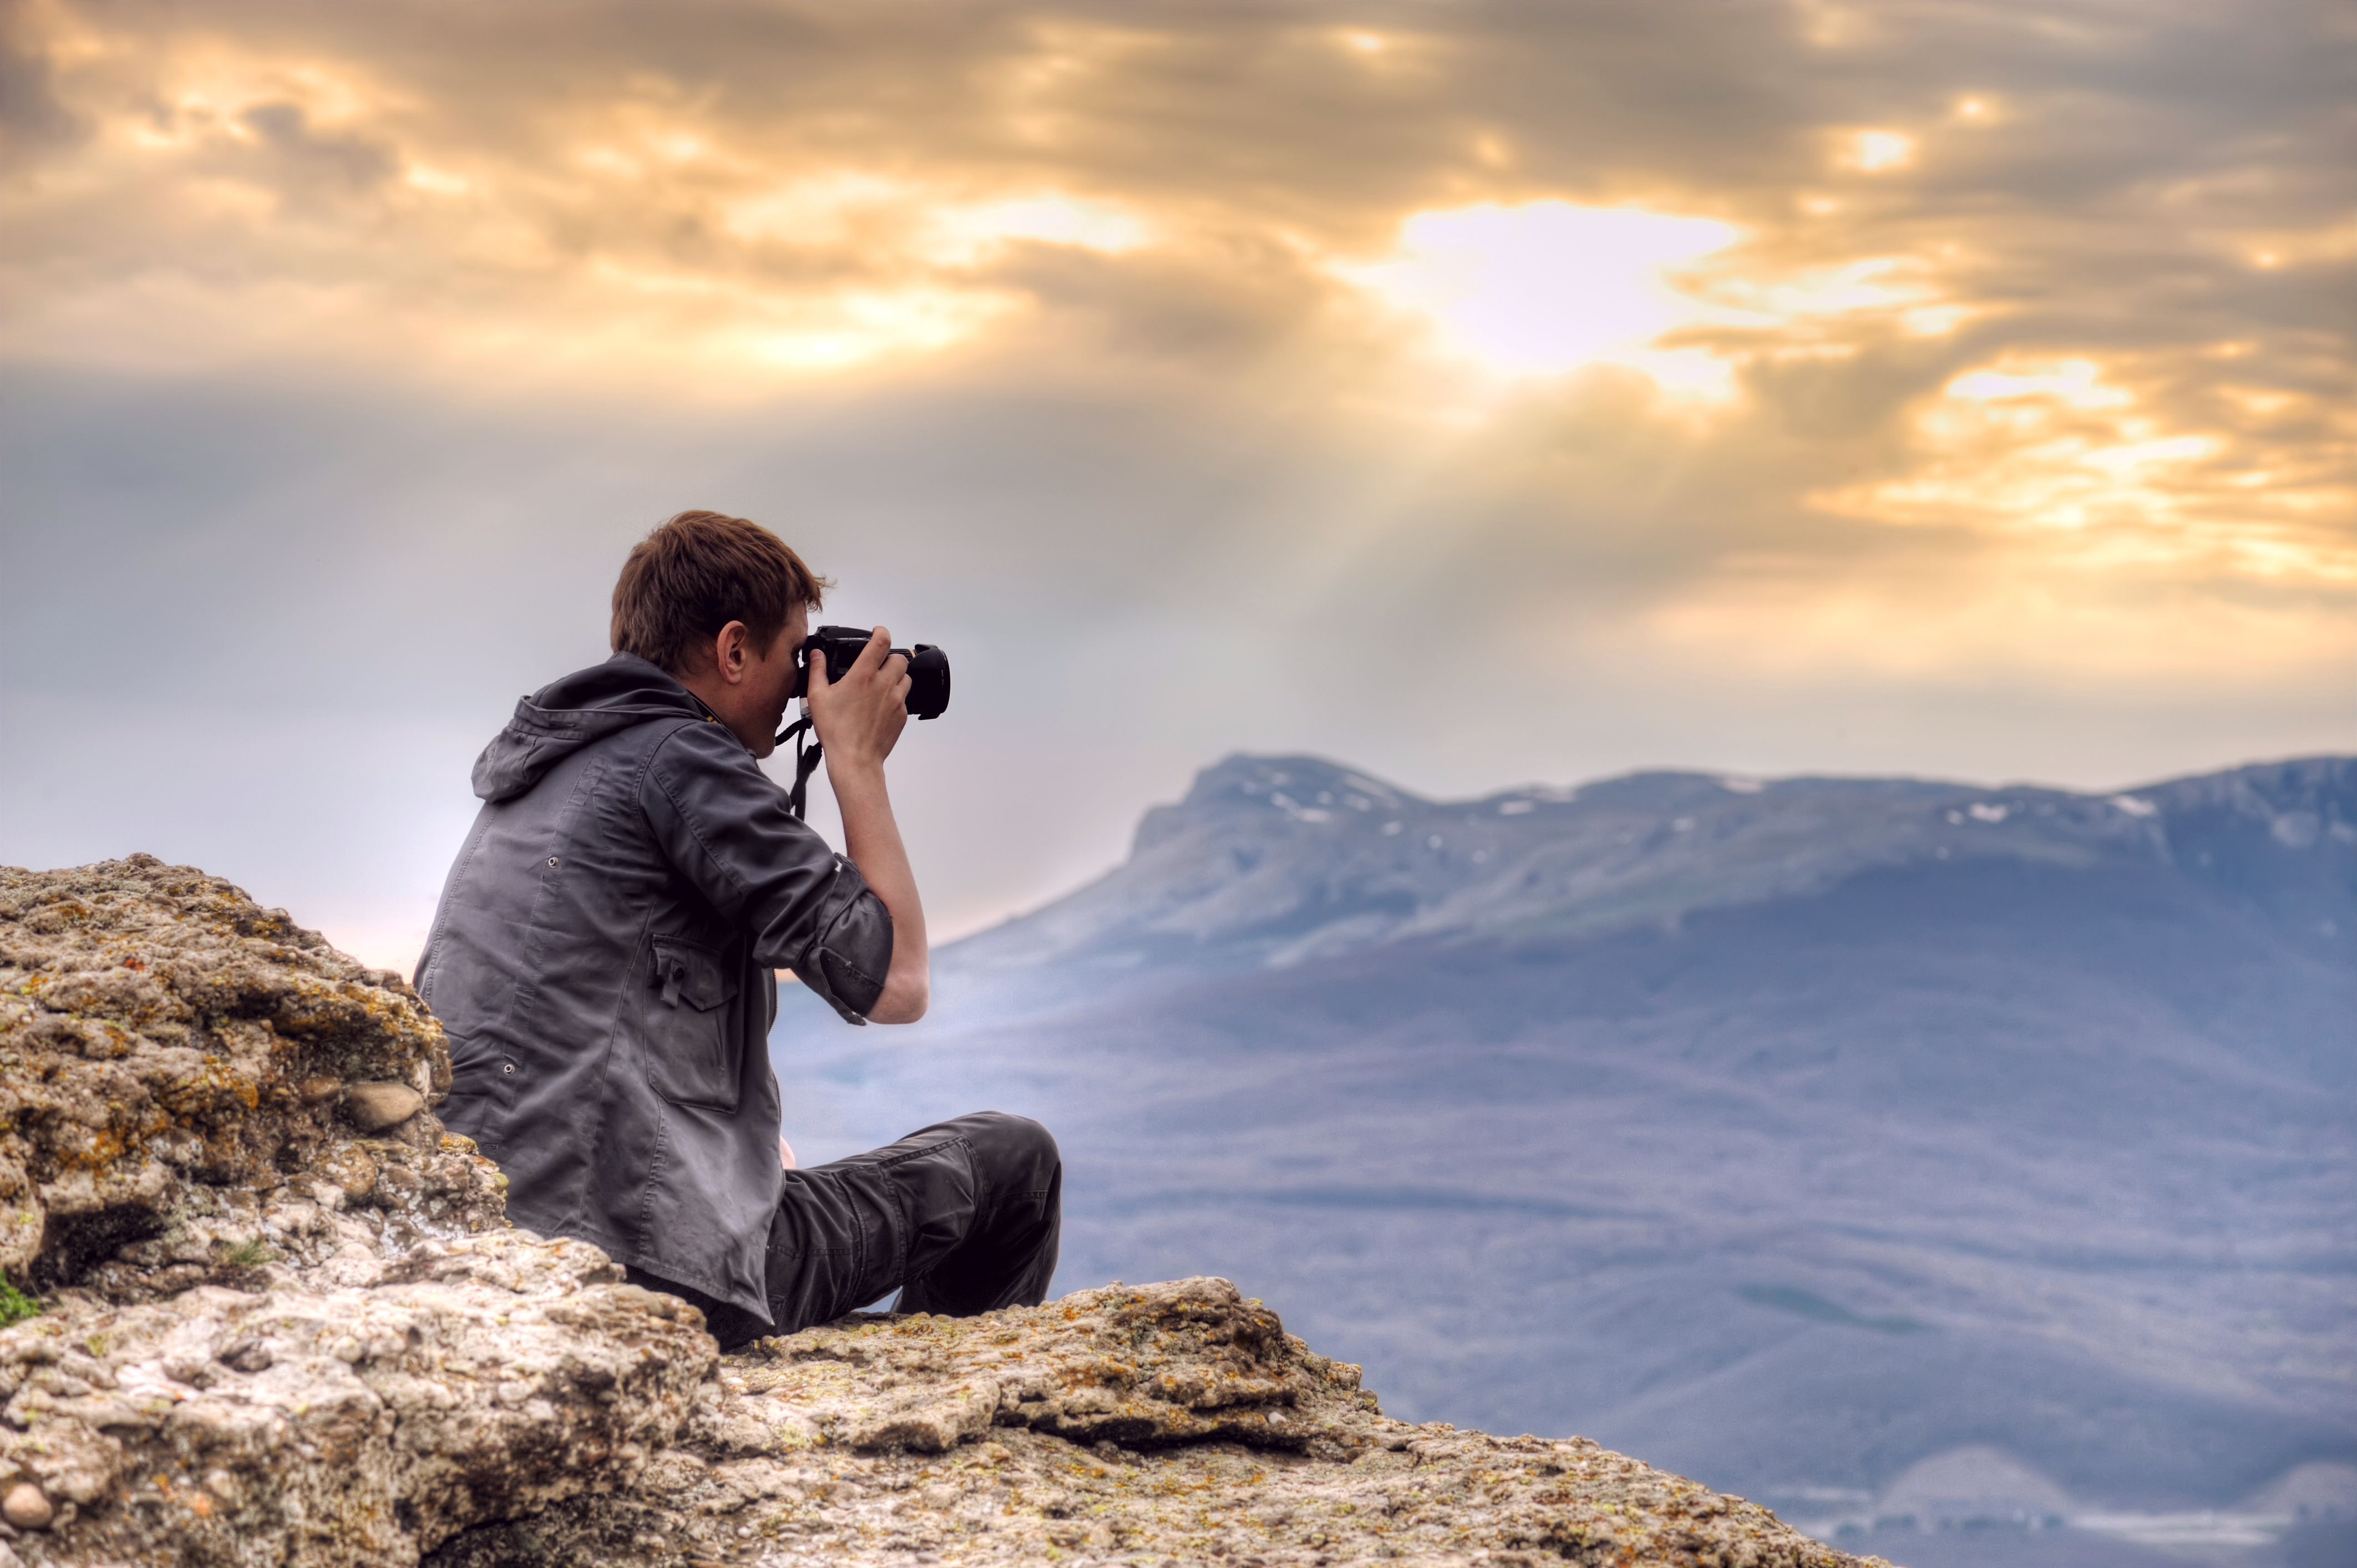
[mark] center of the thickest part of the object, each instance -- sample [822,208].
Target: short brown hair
[697,573]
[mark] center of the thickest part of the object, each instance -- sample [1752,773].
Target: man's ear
[728,650]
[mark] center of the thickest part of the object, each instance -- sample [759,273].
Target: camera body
[929,666]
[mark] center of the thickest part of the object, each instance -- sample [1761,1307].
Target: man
[604,952]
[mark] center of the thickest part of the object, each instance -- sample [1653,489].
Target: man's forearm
[873,839]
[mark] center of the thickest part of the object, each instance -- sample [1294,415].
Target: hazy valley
[1880,1149]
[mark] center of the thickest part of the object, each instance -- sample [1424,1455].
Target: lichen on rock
[285,1322]
[159,1037]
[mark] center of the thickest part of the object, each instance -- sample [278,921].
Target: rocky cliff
[282,1320]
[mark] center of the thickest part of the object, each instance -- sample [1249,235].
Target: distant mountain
[1276,861]
[1788,1133]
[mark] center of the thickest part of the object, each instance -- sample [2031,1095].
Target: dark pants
[963,1216]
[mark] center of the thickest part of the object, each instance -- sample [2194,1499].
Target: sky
[1476,394]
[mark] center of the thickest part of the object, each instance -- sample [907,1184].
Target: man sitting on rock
[603,961]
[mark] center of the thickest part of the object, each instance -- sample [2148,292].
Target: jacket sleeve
[725,825]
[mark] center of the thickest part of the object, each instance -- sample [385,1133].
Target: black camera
[929,666]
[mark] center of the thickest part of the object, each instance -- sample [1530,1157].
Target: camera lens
[929,682]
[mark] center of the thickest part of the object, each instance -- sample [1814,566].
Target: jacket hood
[580,710]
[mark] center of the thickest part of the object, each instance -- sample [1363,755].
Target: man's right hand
[860,717]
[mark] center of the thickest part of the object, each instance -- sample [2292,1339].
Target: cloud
[1921,385]
[307,161]
[31,117]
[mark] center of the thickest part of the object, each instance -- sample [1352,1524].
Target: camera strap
[807,753]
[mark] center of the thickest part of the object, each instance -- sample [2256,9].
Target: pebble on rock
[26,1506]
[374,1107]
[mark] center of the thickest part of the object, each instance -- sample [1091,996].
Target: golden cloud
[1899,308]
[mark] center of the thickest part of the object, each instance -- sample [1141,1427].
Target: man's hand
[858,720]
[860,717]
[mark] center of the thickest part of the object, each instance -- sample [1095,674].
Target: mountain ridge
[1231,876]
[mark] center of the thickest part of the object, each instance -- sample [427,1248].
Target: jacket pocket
[692,1038]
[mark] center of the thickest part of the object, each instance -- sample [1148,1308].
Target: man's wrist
[862,771]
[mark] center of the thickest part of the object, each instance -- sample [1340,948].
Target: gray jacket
[602,959]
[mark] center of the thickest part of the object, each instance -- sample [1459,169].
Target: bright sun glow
[1879,152]
[1545,287]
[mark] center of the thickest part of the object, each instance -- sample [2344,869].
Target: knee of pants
[1019,1143]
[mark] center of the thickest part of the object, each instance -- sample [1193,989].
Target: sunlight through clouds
[2077,382]
[967,236]
[1878,152]
[1828,324]
[2060,447]
[1547,286]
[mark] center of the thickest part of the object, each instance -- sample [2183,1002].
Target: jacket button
[507,1067]
[551,863]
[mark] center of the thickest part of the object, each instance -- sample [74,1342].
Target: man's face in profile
[770,678]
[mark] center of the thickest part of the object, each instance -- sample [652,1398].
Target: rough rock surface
[285,1322]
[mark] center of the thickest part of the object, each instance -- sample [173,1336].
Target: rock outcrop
[283,1321]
